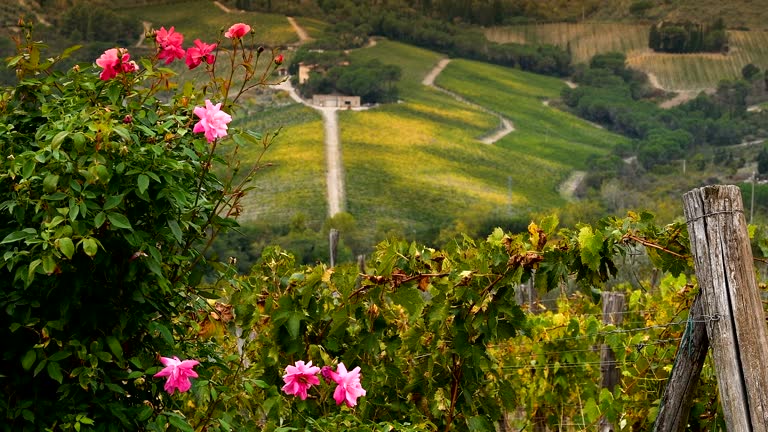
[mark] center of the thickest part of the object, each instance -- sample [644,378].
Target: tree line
[688,37]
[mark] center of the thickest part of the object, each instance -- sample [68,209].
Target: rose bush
[112,189]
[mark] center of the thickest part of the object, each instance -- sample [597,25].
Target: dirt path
[147,27]
[222,7]
[303,35]
[335,172]
[505,125]
[40,18]
[568,188]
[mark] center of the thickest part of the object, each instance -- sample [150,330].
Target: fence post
[613,308]
[675,405]
[333,238]
[731,304]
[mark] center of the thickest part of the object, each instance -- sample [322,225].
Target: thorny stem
[454,391]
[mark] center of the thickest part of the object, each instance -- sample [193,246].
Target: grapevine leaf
[590,244]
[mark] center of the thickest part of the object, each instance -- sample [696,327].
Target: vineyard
[675,72]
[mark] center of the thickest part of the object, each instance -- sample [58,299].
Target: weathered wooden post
[675,405]
[333,238]
[613,308]
[730,304]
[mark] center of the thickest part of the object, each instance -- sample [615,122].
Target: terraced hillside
[676,72]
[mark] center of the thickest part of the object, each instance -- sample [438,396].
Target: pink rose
[178,373]
[213,121]
[279,59]
[169,42]
[113,61]
[299,378]
[348,388]
[199,53]
[237,31]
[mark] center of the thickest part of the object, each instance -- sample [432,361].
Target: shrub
[109,199]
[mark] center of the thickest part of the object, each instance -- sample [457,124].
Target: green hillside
[202,19]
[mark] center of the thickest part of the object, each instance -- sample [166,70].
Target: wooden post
[731,304]
[675,405]
[333,238]
[613,306]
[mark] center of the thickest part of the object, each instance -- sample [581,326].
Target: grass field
[418,164]
[202,19]
[546,141]
[675,72]
[295,181]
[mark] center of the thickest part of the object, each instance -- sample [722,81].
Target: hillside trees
[612,94]
[688,37]
[373,81]
[89,22]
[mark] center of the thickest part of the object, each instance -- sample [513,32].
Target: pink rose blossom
[237,31]
[213,121]
[299,378]
[199,53]
[114,61]
[178,373]
[349,388]
[279,59]
[169,42]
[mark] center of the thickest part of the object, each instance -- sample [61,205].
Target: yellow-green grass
[295,182]
[585,39]
[202,19]
[418,164]
[541,131]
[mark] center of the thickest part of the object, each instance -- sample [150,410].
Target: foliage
[109,202]
[611,94]
[86,22]
[688,37]
[373,81]
[435,332]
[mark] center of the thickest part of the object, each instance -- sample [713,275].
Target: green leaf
[66,247]
[59,138]
[14,236]
[99,220]
[60,355]
[123,132]
[114,346]
[50,182]
[28,168]
[119,220]
[113,202]
[29,359]
[294,323]
[261,384]
[590,244]
[54,371]
[90,247]
[410,298]
[180,423]
[175,229]
[143,181]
